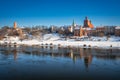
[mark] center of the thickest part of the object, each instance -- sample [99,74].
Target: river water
[34,63]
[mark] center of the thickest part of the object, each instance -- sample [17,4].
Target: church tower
[87,23]
[73,25]
[15,25]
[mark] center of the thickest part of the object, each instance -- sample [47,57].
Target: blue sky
[59,12]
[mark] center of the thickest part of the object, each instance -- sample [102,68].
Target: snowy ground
[96,42]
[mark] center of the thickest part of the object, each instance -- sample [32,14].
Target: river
[34,63]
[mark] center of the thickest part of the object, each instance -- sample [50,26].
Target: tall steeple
[73,22]
[73,25]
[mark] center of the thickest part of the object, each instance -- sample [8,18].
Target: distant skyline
[59,12]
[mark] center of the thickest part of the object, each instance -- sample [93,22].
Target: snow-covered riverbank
[95,42]
[87,44]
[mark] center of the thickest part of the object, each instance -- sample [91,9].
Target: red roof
[90,25]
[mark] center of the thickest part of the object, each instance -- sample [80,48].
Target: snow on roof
[77,28]
[88,28]
[117,27]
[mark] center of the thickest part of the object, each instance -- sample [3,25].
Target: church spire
[73,24]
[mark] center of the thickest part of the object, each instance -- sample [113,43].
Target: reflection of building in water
[81,53]
[87,60]
[15,54]
[86,54]
[77,53]
[87,57]
[107,53]
[72,55]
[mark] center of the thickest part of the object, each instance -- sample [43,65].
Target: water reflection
[74,54]
[15,54]
[92,59]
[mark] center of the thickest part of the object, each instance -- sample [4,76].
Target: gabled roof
[91,25]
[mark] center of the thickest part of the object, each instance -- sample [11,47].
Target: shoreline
[64,44]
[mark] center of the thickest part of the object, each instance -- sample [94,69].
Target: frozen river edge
[66,44]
